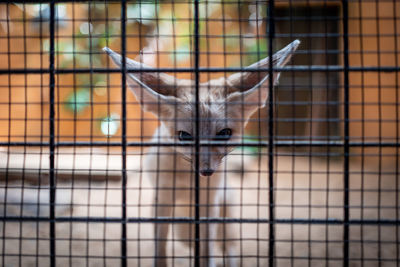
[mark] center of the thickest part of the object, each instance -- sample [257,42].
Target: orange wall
[373,30]
[26,92]
[27,119]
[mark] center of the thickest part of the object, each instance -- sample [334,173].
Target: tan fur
[224,103]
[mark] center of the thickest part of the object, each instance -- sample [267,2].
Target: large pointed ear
[154,90]
[252,87]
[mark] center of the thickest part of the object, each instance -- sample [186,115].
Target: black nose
[207,172]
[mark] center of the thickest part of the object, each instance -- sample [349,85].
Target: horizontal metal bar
[119,1]
[313,68]
[201,220]
[369,241]
[172,52]
[226,189]
[282,143]
[292,18]
[287,87]
[172,1]
[281,103]
[177,257]
[287,120]
[209,36]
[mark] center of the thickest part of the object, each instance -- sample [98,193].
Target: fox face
[225,105]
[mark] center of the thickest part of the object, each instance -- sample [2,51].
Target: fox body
[225,106]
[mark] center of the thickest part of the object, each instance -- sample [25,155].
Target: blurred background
[309,106]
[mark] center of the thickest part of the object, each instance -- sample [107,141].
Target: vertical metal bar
[6,182]
[271,33]
[123,133]
[52,181]
[346,134]
[380,132]
[197,140]
[292,21]
[363,150]
[75,133]
[24,22]
[396,52]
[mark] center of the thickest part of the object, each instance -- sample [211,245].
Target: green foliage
[78,100]
[144,13]
[83,49]
[256,49]
[255,150]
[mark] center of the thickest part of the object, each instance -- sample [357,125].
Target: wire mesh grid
[116,118]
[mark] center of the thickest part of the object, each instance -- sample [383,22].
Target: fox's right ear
[252,87]
[154,90]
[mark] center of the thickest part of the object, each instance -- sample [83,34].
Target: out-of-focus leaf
[78,100]
[233,39]
[183,52]
[251,149]
[256,49]
[87,80]
[83,60]
[144,13]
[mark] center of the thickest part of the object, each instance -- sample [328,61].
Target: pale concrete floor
[296,244]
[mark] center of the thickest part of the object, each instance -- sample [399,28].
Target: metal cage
[314,179]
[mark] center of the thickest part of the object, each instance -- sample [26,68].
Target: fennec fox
[225,107]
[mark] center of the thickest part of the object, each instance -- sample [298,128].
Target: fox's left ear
[154,90]
[252,87]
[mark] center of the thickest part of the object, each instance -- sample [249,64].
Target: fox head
[225,105]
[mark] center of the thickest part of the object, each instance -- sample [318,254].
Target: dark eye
[185,136]
[224,135]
